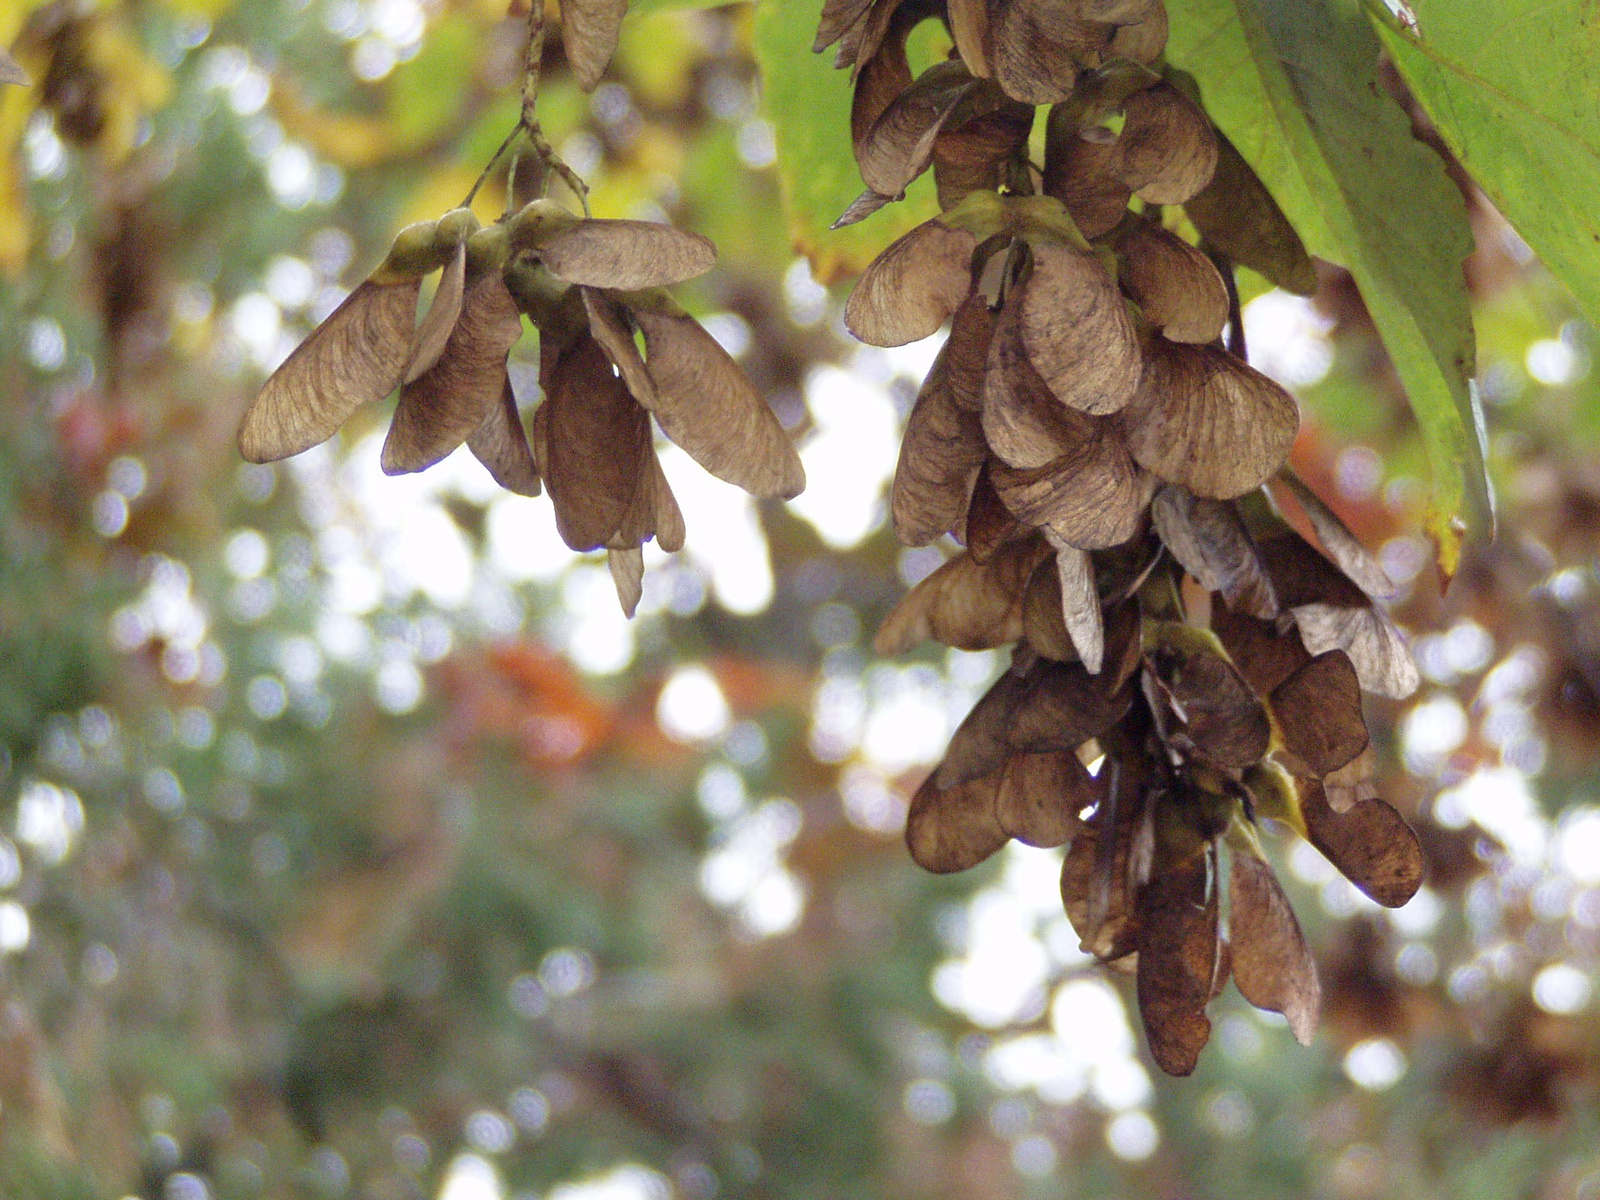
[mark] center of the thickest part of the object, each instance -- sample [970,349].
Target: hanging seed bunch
[1183,663]
[614,350]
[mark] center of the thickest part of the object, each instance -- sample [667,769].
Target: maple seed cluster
[1102,451]
[594,290]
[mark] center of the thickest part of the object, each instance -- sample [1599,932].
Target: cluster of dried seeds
[1103,455]
[614,349]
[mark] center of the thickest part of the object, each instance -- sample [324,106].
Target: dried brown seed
[1175,285]
[940,455]
[976,153]
[1141,31]
[589,31]
[1371,844]
[913,287]
[1211,543]
[1039,46]
[1091,497]
[627,576]
[1343,547]
[444,310]
[1043,629]
[1299,572]
[1271,962]
[610,326]
[357,356]
[967,604]
[1353,782]
[11,71]
[1080,603]
[887,21]
[1221,716]
[1061,706]
[1178,963]
[593,434]
[442,407]
[964,359]
[1264,654]
[501,445]
[707,405]
[670,529]
[1023,422]
[626,255]
[1166,152]
[879,78]
[838,17]
[969,29]
[1379,652]
[954,828]
[1203,419]
[1077,172]
[989,522]
[1041,795]
[1095,891]
[1076,330]
[862,207]
[1237,216]
[1319,711]
[980,744]
[899,145]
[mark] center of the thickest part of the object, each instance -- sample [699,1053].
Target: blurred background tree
[356,846]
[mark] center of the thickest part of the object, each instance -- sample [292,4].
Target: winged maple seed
[1093,442]
[589,287]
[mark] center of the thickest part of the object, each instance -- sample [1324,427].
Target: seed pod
[501,445]
[1371,845]
[594,433]
[356,356]
[977,152]
[838,17]
[989,522]
[965,603]
[589,30]
[1040,796]
[1221,718]
[1176,287]
[1167,151]
[1211,543]
[1205,420]
[1076,330]
[625,255]
[1077,172]
[952,829]
[940,455]
[1272,965]
[1178,963]
[442,407]
[1039,46]
[1319,711]
[1237,216]
[696,392]
[969,28]
[913,287]
[1080,603]
[899,145]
